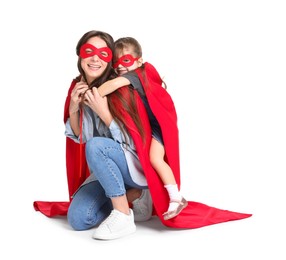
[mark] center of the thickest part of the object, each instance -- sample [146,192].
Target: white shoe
[143,206]
[116,225]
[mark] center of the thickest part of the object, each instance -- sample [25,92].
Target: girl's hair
[127,42]
[124,98]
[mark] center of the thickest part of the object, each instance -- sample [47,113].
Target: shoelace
[111,217]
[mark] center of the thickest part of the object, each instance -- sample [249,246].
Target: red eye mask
[125,60]
[88,50]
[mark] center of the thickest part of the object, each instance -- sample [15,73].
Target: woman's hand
[98,104]
[77,95]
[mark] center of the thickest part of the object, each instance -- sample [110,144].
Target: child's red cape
[196,214]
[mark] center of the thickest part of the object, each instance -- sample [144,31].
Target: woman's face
[95,58]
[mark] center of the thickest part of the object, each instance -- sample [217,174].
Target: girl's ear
[140,62]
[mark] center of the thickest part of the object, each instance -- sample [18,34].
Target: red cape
[77,171]
[196,214]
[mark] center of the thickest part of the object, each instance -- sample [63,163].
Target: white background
[224,63]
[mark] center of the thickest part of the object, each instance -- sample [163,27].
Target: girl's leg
[157,153]
[89,207]
[177,202]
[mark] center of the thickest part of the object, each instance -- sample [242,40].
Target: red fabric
[196,214]
[77,171]
[52,208]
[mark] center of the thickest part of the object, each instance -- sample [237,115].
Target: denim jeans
[91,204]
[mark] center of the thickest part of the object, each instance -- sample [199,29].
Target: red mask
[125,60]
[88,50]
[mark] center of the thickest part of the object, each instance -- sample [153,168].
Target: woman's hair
[124,98]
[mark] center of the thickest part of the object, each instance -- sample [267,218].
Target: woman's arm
[111,85]
[76,98]
[74,123]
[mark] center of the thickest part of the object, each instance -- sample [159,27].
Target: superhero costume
[196,214]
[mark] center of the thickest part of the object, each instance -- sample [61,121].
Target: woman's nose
[95,57]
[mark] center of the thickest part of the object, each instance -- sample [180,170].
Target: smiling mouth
[94,66]
[121,71]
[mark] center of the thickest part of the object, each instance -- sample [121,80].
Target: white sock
[174,194]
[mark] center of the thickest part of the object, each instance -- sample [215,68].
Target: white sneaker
[116,225]
[143,206]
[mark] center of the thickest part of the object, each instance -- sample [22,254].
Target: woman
[111,154]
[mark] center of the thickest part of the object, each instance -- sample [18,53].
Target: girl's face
[95,57]
[126,60]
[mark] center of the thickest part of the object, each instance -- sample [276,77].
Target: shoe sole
[170,215]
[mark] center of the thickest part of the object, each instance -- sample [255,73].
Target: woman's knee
[93,145]
[80,219]
[88,207]
[77,220]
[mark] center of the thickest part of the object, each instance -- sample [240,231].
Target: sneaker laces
[111,218]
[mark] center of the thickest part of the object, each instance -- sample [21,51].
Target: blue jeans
[91,204]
